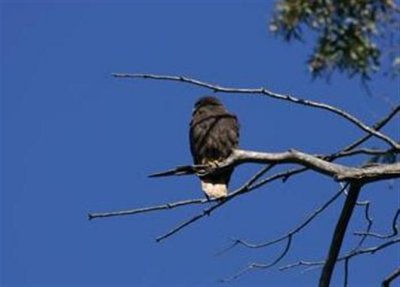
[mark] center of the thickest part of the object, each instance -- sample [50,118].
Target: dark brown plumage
[214,133]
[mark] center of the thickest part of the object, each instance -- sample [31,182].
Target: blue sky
[75,140]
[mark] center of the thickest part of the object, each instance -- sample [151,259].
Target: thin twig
[366,151]
[346,272]
[377,126]
[395,229]
[369,224]
[148,209]
[266,92]
[262,266]
[370,250]
[243,189]
[293,231]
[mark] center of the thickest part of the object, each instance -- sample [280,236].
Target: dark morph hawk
[214,133]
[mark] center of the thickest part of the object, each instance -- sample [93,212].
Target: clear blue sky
[75,140]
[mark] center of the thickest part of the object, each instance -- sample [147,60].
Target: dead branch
[262,266]
[183,170]
[248,186]
[149,209]
[337,240]
[323,164]
[377,126]
[365,151]
[251,185]
[369,220]
[337,171]
[266,92]
[339,233]
[395,229]
[291,233]
[346,272]
[204,169]
[391,277]
[370,250]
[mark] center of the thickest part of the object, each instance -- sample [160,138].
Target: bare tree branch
[288,236]
[183,170]
[346,272]
[370,250]
[391,277]
[241,156]
[366,206]
[150,208]
[338,171]
[266,92]
[337,240]
[356,177]
[291,233]
[302,263]
[368,218]
[377,126]
[339,233]
[366,151]
[203,169]
[251,185]
[243,189]
[354,252]
[254,265]
[347,150]
[395,229]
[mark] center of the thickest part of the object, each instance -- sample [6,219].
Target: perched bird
[214,134]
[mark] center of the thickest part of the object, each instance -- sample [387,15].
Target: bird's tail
[214,190]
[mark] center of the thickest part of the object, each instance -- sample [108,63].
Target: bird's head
[207,102]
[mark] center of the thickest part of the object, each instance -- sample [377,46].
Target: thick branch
[340,172]
[284,175]
[266,92]
[391,277]
[337,171]
[339,233]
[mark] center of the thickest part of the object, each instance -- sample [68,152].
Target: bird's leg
[221,199]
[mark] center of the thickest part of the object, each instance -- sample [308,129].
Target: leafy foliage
[352,35]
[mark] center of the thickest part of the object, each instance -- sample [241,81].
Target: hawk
[214,134]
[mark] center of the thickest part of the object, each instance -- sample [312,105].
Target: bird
[213,135]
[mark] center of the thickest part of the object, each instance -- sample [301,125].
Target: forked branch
[266,92]
[316,163]
[356,177]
